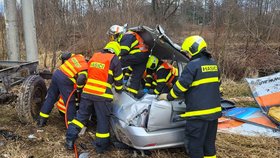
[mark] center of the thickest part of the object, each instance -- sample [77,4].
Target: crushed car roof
[160,44]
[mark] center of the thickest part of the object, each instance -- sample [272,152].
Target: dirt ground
[49,142]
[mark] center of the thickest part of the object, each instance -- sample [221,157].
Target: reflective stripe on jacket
[165,75]
[131,43]
[173,72]
[199,82]
[101,75]
[74,65]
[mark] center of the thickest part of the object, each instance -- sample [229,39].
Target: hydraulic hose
[66,119]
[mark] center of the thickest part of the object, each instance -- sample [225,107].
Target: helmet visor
[153,66]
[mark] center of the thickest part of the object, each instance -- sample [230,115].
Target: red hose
[66,120]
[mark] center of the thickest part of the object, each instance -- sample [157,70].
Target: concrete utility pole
[29,30]
[11,29]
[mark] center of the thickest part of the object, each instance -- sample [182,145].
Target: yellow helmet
[113,47]
[194,45]
[152,62]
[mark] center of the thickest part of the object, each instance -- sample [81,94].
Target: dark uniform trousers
[138,64]
[60,85]
[102,110]
[200,136]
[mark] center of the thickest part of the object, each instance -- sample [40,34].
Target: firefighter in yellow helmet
[160,75]
[199,84]
[104,73]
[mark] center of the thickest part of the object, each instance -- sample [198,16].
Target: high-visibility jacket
[131,43]
[74,65]
[104,70]
[199,82]
[127,72]
[165,75]
[60,105]
[150,78]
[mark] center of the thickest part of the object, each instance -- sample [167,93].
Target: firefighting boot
[41,122]
[100,148]
[69,144]
[71,135]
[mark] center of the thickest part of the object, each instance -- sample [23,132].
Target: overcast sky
[1,2]
[1,5]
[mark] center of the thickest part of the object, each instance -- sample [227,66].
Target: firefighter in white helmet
[134,54]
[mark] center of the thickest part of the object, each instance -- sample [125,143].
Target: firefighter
[127,73]
[160,76]
[72,71]
[61,106]
[104,71]
[199,83]
[134,55]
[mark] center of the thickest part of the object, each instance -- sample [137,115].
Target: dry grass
[233,89]
[238,92]
[252,147]
[50,142]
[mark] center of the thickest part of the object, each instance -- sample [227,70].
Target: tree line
[243,35]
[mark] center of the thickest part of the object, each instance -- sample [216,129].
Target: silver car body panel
[147,123]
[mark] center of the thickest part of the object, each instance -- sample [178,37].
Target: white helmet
[116,29]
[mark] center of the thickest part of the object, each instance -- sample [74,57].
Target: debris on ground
[84,155]
[7,97]
[32,136]
[2,143]
[9,135]
[40,131]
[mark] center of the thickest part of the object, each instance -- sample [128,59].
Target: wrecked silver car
[148,123]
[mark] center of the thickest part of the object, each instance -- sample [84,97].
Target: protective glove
[163,96]
[145,90]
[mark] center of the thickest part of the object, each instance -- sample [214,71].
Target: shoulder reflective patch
[76,62]
[209,68]
[97,65]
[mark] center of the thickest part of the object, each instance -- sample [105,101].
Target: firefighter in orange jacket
[104,71]
[61,106]
[72,71]
[134,55]
[199,83]
[160,76]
